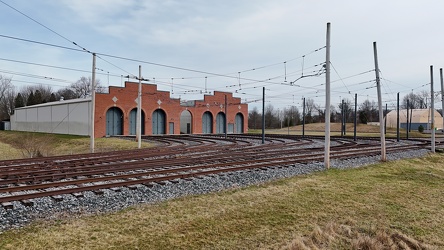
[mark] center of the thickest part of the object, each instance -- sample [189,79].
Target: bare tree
[44,93]
[82,87]
[7,96]
[254,119]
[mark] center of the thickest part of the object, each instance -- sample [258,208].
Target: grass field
[14,144]
[399,203]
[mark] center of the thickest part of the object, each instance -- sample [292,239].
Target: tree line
[11,97]
[367,111]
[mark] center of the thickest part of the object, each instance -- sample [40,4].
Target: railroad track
[177,157]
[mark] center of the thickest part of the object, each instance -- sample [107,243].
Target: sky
[195,47]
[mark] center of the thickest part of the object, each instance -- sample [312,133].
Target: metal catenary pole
[442,95]
[385,119]
[226,117]
[139,110]
[407,132]
[263,115]
[342,117]
[327,101]
[381,115]
[303,118]
[397,117]
[432,109]
[93,103]
[356,117]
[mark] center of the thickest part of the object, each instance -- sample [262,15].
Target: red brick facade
[124,98]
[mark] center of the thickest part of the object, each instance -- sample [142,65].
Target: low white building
[62,117]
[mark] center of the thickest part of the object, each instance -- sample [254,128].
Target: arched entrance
[220,123]
[239,123]
[207,123]
[159,122]
[185,122]
[114,124]
[133,122]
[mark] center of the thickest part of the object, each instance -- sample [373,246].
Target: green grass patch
[335,209]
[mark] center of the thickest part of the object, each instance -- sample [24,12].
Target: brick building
[116,112]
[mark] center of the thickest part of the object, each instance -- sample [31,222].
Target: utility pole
[327,101]
[385,120]
[407,135]
[93,102]
[139,110]
[381,116]
[263,115]
[342,117]
[397,117]
[226,117]
[303,118]
[356,116]
[432,109]
[442,96]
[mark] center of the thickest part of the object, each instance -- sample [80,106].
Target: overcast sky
[187,47]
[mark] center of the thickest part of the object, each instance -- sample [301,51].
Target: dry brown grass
[343,236]
[361,208]
[335,128]
[24,144]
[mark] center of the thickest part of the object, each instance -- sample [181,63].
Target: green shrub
[420,129]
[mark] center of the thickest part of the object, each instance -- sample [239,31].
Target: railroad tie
[77,195]
[7,205]
[98,192]
[57,198]
[27,203]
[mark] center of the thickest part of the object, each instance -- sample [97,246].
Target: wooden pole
[93,103]
[432,109]
[381,115]
[327,101]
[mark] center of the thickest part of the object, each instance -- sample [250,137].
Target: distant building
[116,112]
[418,117]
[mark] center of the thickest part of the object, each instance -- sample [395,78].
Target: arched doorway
[207,123]
[114,124]
[220,123]
[159,122]
[185,122]
[133,122]
[239,123]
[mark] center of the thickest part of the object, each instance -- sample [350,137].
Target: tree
[368,112]
[82,87]
[7,95]
[52,98]
[416,101]
[31,99]
[254,119]
[18,101]
[42,97]
[310,108]
[66,94]
[38,98]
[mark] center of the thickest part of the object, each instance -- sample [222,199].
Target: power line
[46,27]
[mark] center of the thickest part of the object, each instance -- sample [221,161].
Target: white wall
[64,117]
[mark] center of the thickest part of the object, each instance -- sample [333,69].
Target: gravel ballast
[114,200]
